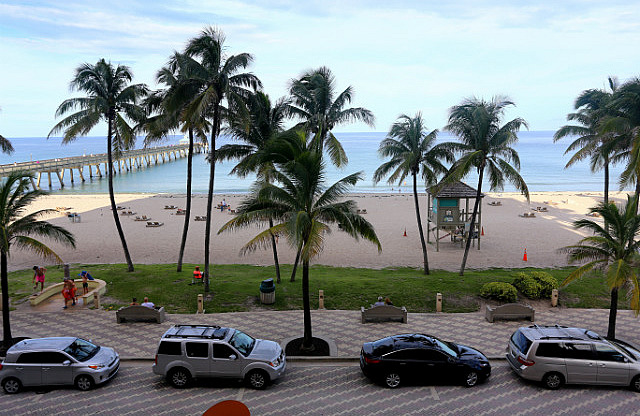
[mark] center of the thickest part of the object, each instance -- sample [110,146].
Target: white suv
[196,351]
[557,354]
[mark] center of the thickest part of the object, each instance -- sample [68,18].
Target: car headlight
[96,366]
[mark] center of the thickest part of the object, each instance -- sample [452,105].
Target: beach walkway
[140,340]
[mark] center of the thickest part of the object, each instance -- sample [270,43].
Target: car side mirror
[451,360]
[233,357]
[66,362]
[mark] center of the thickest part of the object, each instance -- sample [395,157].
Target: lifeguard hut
[447,213]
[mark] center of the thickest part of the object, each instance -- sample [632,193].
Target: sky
[401,56]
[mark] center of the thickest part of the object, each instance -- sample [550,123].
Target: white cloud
[401,56]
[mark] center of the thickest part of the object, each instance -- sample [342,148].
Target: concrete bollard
[201,303]
[321,299]
[438,302]
[96,300]
[554,297]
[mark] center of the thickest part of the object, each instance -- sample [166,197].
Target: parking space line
[240,395]
[434,394]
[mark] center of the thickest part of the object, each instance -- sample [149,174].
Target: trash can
[267,292]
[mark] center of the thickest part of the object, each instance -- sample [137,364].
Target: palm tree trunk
[212,172]
[606,181]
[473,221]
[112,198]
[637,193]
[4,286]
[606,187]
[424,245]
[187,216]
[613,312]
[275,252]
[307,340]
[295,265]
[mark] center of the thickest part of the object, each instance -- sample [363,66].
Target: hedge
[502,291]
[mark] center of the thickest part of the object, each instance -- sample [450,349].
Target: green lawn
[236,287]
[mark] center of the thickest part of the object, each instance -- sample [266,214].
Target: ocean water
[542,167]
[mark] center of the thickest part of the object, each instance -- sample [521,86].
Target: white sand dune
[506,234]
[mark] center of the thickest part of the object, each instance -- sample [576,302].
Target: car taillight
[0,366]
[371,360]
[528,363]
[156,360]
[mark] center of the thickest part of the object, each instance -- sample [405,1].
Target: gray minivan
[557,354]
[57,361]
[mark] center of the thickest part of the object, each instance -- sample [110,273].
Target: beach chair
[154,224]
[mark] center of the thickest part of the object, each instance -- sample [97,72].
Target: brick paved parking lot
[324,390]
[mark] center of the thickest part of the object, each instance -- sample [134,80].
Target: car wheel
[179,378]
[257,379]
[11,385]
[471,378]
[553,381]
[84,383]
[392,380]
[635,384]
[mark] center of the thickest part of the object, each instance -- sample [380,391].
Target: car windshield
[446,347]
[242,342]
[628,349]
[81,349]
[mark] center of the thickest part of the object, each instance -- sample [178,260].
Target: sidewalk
[140,340]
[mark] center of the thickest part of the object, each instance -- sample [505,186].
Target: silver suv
[556,355]
[57,361]
[194,351]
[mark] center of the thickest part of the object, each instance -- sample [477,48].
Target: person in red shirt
[197,275]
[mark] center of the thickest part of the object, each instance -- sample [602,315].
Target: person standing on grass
[38,277]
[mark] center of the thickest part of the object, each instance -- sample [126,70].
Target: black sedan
[418,357]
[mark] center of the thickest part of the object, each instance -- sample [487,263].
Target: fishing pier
[126,161]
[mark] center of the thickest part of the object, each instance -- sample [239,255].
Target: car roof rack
[564,332]
[196,331]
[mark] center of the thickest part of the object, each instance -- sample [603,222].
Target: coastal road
[329,389]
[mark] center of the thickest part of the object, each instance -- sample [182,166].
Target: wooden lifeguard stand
[445,212]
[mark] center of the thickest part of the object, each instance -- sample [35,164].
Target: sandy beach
[506,233]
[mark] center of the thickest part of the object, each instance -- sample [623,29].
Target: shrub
[502,291]
[546,282]
[527,285]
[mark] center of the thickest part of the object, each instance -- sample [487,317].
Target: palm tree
[169,105]
[411,149]
[316,104]
[593,107]
[110,97]
[614,249]
[217,78]
[5,145]
[21,231]
[264,122]
[625,124]
[486,145]
[302,207]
